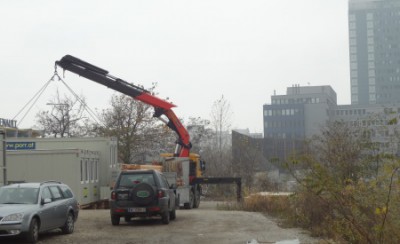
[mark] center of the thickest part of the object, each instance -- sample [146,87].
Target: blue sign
[21,145]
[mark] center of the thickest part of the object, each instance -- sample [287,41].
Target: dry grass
[277,205]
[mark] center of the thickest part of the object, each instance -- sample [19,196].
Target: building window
[82,171]
[371,57]
[372,89]
[371,48]
[371,65]
[354,98]
[370,41]
[353,73]
[87,167]
[371,80]
[371,73]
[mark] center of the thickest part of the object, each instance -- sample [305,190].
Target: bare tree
[219,149]
[247,157]
[200,133]
[138,133]
[65,119]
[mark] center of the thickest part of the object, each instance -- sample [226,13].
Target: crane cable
[86,107]
[36,97]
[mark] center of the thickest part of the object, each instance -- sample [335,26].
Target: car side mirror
[46,200]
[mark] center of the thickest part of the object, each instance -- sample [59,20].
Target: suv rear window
[129,180]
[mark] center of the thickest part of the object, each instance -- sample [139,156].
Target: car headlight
[17,217]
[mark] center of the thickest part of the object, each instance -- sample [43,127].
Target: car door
[60,206]
[47,210]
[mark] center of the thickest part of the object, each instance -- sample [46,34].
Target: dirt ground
[203,225]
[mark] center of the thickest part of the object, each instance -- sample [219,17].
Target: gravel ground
[202,225]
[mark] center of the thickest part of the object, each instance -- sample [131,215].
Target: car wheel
[33,234]
[172,214]
[115,220]
[68,227]
[165,217]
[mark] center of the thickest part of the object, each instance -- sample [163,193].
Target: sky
[196,52]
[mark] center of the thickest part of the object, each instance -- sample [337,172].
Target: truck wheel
[165,217]
[189,205]
[115,220]
[196,202]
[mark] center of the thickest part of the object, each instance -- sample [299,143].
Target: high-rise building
[374,38]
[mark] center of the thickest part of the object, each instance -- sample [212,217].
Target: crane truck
[185,167]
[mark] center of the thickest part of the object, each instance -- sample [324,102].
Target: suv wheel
[115,219]
[172,214]
[165,217]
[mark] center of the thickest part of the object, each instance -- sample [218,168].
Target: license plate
[136,210]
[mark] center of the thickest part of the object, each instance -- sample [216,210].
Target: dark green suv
[142,193]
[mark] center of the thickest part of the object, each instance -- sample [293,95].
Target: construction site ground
[203,225]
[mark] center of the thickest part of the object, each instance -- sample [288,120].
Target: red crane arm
[161,107]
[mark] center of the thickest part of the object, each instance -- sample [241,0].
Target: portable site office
[87,165]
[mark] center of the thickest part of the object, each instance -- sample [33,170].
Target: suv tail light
[160,194]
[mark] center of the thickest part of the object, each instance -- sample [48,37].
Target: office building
[292,118]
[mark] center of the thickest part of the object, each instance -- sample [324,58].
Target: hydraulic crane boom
[161,107]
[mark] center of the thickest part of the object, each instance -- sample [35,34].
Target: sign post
[3,164]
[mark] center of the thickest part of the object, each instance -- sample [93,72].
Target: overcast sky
[196,51]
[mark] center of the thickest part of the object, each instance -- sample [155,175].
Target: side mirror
[46,200]
[202,165]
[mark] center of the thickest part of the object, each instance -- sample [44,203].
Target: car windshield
[129,180]
[18,195]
